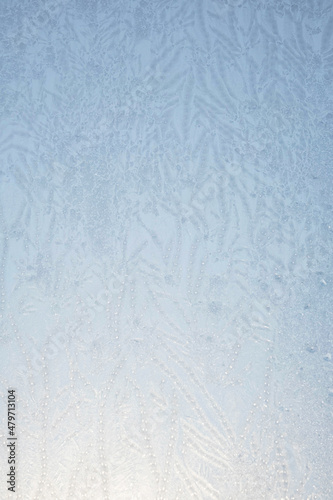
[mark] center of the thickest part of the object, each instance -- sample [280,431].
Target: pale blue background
[166,248]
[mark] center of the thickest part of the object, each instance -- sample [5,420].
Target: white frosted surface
[166,248]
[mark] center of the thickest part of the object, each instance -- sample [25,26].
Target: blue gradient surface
[166,248]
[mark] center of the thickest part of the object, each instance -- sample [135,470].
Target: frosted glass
[166,249]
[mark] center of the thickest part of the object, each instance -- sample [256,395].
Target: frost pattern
[166,248]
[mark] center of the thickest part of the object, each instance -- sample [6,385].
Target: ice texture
[166,248]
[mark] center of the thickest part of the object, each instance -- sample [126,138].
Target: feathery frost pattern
[166,248]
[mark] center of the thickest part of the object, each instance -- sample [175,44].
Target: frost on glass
[166,248]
